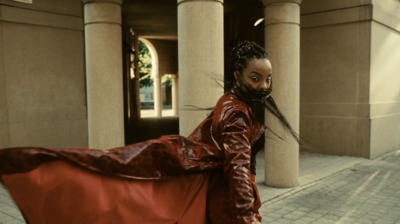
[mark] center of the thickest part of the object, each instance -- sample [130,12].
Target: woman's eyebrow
[259,73]
[255,73]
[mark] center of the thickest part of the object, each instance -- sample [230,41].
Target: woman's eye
[255,79]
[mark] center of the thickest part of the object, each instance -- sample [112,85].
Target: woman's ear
[236,75]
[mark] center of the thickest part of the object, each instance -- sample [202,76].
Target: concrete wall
[350,83]
[385,77]
[335,63]
[42,79]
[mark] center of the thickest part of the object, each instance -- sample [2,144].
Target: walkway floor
[333,189]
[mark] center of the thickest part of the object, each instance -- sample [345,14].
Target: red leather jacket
[220,144]
[232,195]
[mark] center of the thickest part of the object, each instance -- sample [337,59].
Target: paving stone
[308,219]
[372,190]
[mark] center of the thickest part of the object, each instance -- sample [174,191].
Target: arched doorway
[158,90]
[150,87]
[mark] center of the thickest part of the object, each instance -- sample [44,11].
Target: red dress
[202,178]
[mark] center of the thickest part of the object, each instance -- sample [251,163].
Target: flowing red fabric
[216,158]
[69,194]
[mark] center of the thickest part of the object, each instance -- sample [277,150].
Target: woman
[205,177]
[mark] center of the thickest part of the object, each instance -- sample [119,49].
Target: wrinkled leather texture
[232,193]
[171,155]
[221,144]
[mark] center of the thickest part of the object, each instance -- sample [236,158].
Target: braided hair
[241,53]
[238,55]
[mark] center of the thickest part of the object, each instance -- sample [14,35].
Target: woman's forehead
[259,64]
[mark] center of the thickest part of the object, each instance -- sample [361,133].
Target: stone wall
[350,84]
[42,76]
[335,62]
[385,77]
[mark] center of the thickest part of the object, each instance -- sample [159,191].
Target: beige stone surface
[44,114]
[3,116]
[384,108]
[157,94]
[335,49]
[277,2]
[200,53]
[100,12]
[3,97]
[344,110]
[62,7]
[316,6]
[50,19]
[103,50]
[385,134]
[282,41]
[387,12]
[60,133]
[338,16]
[31,80]
[175,95]
[384,79]
[338,135]
[282,12]
[42,76]
[3,128]
[350,88]
[385,64]
[335,63]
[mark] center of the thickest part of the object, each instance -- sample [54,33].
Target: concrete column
[103,45]
[201,58]
[157,95]
[282,42]
[174,93]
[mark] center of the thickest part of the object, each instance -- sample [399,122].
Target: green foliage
[144,65]
[166,80]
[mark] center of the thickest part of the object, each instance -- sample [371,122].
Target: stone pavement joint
[333,189]
[368,192]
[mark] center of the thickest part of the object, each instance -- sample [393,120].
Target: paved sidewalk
[366,191]
[9,214]
[333,189]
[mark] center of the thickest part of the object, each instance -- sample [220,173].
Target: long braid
[269,103]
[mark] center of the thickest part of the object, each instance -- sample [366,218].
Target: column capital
[102,11]
[281,12]
[119,2]
[182,1]
[270,2]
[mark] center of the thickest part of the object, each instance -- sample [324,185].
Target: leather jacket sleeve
[236,143]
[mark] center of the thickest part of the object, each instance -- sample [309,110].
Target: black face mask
[264,100]
[249,94]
